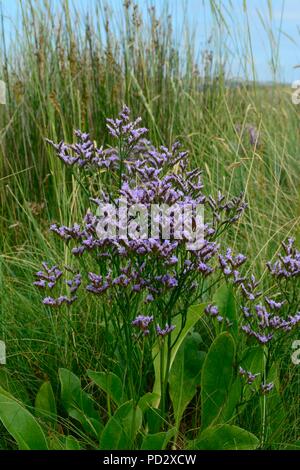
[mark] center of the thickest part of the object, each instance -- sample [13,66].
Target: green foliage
[79,404]
[55,86]
[216,379]
[225,437]
[110,384]
[148,401]
[120,431]
[194,314]
[224,299]
[157,441]
[185,374]
[21,424]
[45,405]
[72,443]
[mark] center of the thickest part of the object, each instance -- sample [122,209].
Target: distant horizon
[282,25]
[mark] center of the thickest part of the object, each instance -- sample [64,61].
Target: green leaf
[71,443]
[70,388]
[45,406]
[224,299]
[277,418]
[78,403]
[233,400]
[121,429]
[22,426]
[253,361]
[154,420]
[147,401]
[158,441]
[185,374]
[193,316]
[110,384]
[217,373]
[225,437]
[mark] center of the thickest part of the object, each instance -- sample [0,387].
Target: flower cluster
[166,330]
[150,268]
[142,322]
[229,265]
[48,278]
[266,317]
[266,388]
[288,264]
[249,377]
[213,311]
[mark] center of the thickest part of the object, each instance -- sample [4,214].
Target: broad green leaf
[22,426]
[90,425]
[72,443]
[121,429]
[276,416]
[70,388]
[78,403]
[252,361]
[154,420]
[225,437]
[225,301]
[110,384]
[56,441]
[45,406]
[217,373]
[234,397]
[158,441]
[185,374]
[194,314]
[147,401]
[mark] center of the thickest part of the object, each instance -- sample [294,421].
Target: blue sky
[284,22]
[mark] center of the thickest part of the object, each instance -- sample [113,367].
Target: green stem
[264,410]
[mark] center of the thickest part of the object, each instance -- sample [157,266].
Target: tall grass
[66,70]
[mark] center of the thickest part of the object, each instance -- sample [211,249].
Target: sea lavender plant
[267,318]
[146,279]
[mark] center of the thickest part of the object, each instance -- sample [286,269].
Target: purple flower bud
[212,310]
[142,323]
[266,388]
[167,330]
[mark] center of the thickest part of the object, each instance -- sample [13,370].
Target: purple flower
[212,310]
[49,301]
[266,388]
[274,305]
[149,298]
[248,375]
[143,323]
[165,331]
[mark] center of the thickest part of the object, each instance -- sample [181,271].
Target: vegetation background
[65,71]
